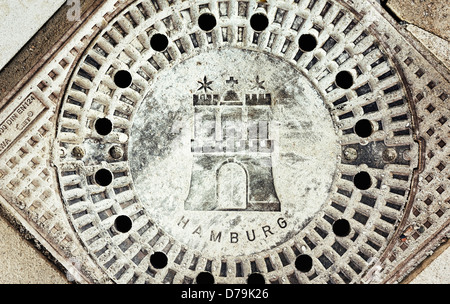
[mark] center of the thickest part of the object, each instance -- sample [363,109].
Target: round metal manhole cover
[230,139]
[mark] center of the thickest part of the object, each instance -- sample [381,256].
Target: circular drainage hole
[123,79]
[159,42]
[341,227]
[256,278]
[103,177]
[103,126]
[158,260]
[363,128]
[303,263]
[344,80]
[259,22]
[207,22]
[123,223]
[362,180]
[204,278]
[307,42]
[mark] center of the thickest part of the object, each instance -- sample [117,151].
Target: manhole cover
[231,141]
[231,138]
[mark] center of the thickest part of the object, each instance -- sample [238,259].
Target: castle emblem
[232,148]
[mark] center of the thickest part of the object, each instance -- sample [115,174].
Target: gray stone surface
[431,16]
[27,17]
[436,272]
[438,46]
[21,263]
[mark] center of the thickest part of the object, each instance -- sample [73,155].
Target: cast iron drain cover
[232,139]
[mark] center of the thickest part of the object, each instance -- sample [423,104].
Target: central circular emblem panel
[232,151]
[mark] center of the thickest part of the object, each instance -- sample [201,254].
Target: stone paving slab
[432,16]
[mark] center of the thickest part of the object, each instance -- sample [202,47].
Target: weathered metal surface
[237,146]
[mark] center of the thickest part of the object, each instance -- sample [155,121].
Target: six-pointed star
[205,85]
